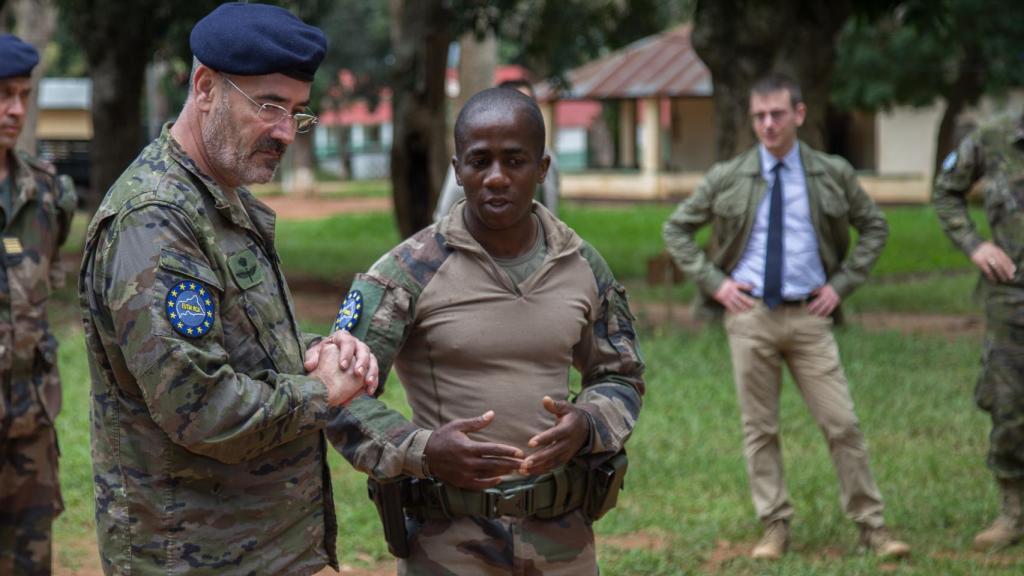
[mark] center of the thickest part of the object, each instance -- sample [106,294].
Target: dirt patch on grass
[635,541]
[724,553]
[660,314]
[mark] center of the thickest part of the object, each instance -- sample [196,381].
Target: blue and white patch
[351,311]
[950,162]
[190,308]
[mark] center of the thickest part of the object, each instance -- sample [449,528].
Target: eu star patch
[950,162]
[350,312]
[190,308]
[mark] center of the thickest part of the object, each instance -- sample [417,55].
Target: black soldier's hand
[342,385]
[560,442]
[993,262]
[456,459]
[351,352]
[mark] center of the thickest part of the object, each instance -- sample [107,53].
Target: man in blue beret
[35,212]
[207,442]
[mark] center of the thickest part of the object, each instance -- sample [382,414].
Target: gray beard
[221,141]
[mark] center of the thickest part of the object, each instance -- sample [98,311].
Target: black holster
[388,498]
[603,485]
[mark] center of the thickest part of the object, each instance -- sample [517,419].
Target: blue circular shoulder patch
[190,308]
[950,162]
[351,311]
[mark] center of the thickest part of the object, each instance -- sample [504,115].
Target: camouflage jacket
[207,439]
[464,339]
[42,206]
[728,199]
[994,152]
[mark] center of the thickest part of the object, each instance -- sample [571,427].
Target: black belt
[546,496]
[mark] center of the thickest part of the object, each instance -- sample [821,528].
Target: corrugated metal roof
[663,65]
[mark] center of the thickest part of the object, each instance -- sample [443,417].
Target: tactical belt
[546,496]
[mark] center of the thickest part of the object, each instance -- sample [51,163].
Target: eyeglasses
[272,113]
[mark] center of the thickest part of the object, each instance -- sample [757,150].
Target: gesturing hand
[349,349]
[734,296]
[342,386]
[993,262]
[456,459]
[560,442]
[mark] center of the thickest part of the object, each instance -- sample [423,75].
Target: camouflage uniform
[41,211]
[208,451]
[463,339]
[995,152]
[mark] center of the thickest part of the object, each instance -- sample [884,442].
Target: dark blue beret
[17,58]
[257,39]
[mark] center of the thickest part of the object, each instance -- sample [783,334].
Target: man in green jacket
[995,151]
[777,263]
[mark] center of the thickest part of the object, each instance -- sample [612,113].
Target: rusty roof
[661,65]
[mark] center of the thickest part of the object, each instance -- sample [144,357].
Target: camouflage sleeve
[188,384]
[872,230]
[608,357]
[373,437]
[67,202]
[960,170]
[679,234]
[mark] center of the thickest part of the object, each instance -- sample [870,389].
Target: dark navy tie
[773,255]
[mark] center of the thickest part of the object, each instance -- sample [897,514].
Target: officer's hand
[993,262]
[825,301]
[734,296]
[560,442]
[342,386]
[351,351]
[456,459]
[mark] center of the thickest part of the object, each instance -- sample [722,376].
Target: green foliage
[924,49]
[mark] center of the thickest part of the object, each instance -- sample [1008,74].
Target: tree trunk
[117,83]
[36,21]
[478,57]
[742,40]
[419,159]
[963,92]
[299,178]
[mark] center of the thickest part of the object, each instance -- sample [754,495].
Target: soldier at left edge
[36,207]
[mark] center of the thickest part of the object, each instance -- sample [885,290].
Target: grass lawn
[686,508]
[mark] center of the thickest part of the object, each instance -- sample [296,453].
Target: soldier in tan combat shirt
[482,315]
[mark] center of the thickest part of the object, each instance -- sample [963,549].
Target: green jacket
[207,436]
[42,206]
[728,199]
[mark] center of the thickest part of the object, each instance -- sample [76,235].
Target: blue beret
[257,39]
[17,58]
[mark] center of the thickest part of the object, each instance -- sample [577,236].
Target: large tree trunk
[963,92]
[117,84]
[299,178]
[478,57]
[742,40]
[36,21]
[421,35]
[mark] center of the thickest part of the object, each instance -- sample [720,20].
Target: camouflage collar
[235,212]
[560,238]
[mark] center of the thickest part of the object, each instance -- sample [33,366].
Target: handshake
[345,366]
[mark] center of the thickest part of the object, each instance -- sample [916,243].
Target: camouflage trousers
[1000,389]
[503,546]
[29,501]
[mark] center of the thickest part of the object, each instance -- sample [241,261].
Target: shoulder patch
[950,162]
[190,308]
[351,311]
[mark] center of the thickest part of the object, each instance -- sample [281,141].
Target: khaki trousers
[760,340]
